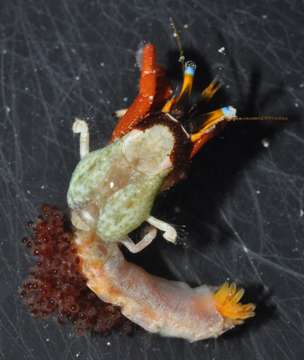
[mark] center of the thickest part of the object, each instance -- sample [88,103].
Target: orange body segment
[147,89]
[154,89]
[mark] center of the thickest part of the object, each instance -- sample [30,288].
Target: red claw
[154,90]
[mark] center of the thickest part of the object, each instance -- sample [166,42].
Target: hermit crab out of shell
[112,191]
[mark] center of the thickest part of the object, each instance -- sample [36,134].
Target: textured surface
[243,202]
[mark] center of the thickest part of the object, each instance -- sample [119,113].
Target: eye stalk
[190,68]
[213,118]
[189,72]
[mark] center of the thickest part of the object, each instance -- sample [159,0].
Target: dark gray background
[242,204]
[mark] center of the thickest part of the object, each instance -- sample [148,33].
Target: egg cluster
[55,286]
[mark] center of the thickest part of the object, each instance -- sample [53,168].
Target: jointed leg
[81,127]
[147,90]
[170,233]
[142,244]
[163,92]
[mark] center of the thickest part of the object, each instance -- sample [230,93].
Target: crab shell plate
[112,190]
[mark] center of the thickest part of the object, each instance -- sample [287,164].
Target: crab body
[112,190]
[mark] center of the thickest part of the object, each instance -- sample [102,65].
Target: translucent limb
[81,127]
[142,244]
[170,233]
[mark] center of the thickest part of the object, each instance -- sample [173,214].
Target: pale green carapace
[112,190]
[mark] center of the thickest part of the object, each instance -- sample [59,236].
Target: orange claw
[154,90]
[147,89]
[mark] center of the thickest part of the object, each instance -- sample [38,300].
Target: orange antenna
[225,114]
[211,89]
[266,118]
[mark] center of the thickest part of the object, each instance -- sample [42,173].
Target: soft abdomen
[158,305]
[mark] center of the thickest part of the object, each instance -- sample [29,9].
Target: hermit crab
[112,191]
[111,194]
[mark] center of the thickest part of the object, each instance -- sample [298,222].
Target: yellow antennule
[212,119]
[227,303]
[211,89]
[186,87]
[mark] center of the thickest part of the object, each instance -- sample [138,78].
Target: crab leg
[154,90]
[170,233]
[81,127]
[142,244]
[147,89]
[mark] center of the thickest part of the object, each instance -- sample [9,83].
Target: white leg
[81,127]
[143,243]
[120,113]
[170,233]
